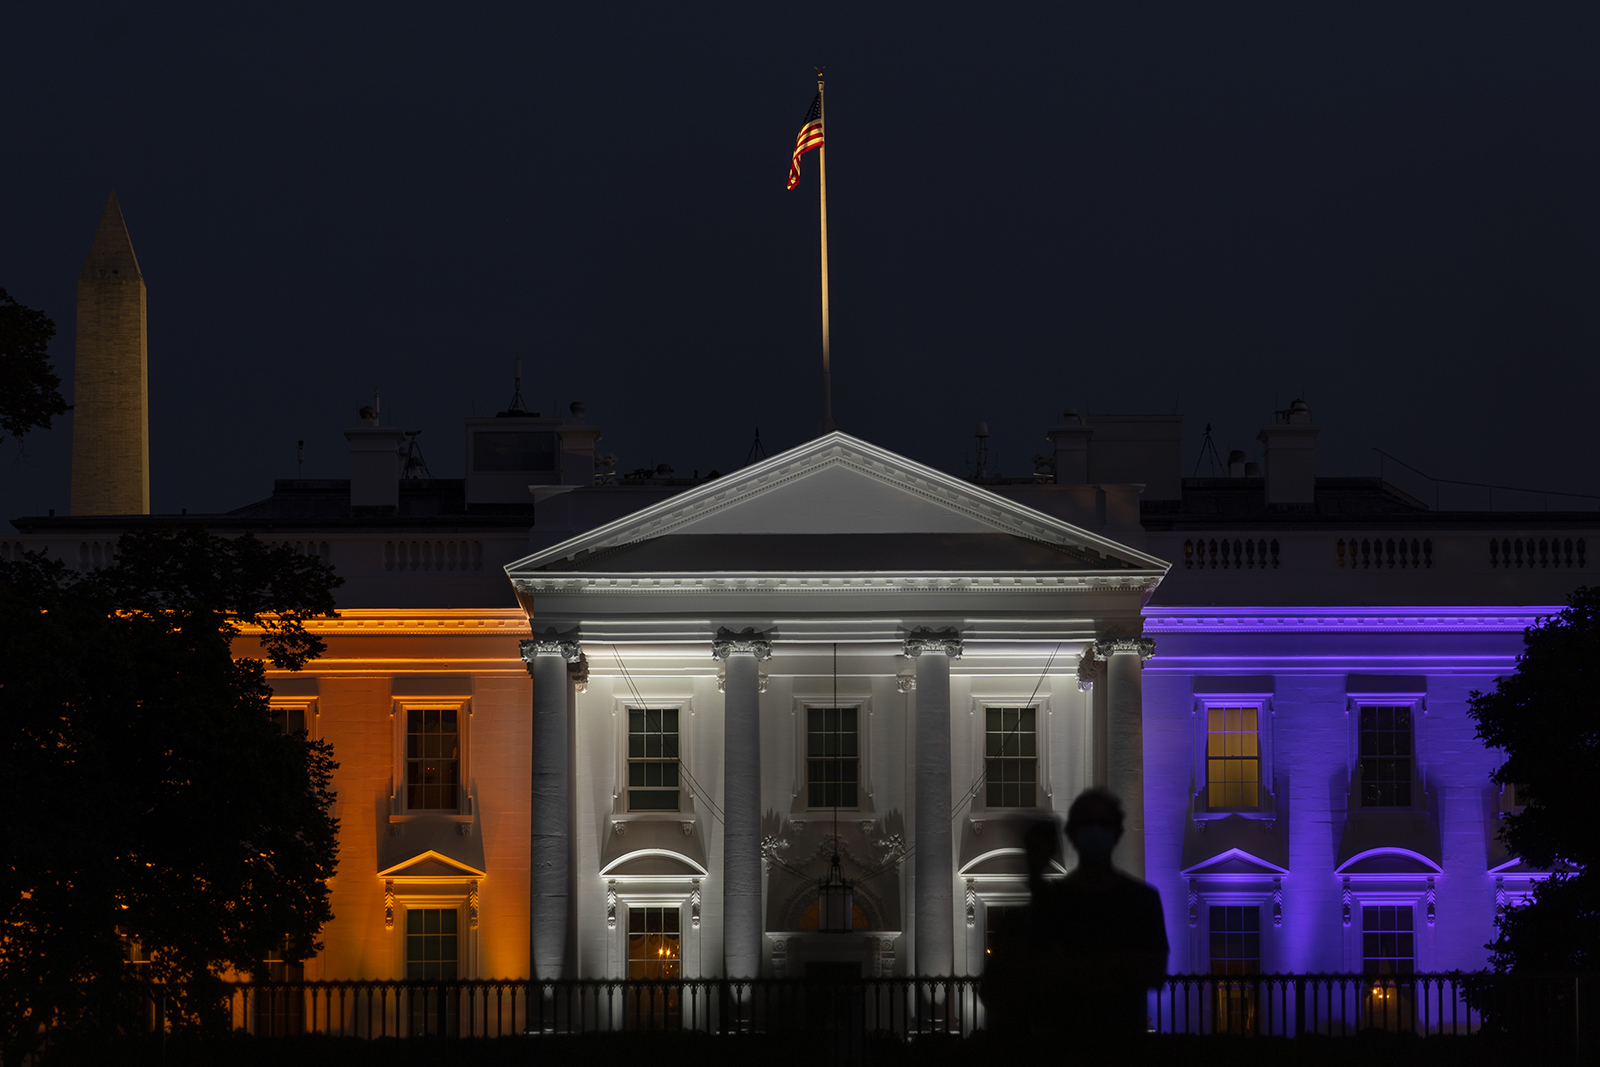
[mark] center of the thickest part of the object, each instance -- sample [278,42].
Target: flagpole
[822,186]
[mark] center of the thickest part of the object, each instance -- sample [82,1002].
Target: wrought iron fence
[1283,1005]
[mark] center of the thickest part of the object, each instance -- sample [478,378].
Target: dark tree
[160,824]
[30,392]
[1546,718]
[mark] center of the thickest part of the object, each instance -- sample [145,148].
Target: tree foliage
[1546,718]
[30,392]
[151,797]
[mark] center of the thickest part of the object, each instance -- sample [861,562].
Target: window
[655,946]
[999,926]
[433,759]
[1386,757]
[1388,954]
[1235,951]
[278,1012]
[432,952]
[1011,764]
[1388,945]
[1233,758]
[652,759]
[831,755]
[290,720]
[431,943]
[133,952]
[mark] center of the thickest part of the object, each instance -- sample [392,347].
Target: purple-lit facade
[1316,852]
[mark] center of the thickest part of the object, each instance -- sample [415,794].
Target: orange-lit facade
[470,856]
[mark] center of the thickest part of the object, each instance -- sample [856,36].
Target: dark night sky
[1120,208]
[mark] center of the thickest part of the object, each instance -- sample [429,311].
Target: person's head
[1094,824]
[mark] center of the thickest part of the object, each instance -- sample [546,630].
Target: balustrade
[1517,552]
[429,555]
[1247,553]
[1379,553]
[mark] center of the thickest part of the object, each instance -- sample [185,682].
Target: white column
[741,799]
[933,915]
[1124,659]
[550,850]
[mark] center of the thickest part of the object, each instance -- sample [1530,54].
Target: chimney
[1071,440]
[376,453]
[1142,449]
[1236,464]
[1291,473]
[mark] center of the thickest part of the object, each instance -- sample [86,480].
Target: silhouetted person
[1108,940]
[1020,963]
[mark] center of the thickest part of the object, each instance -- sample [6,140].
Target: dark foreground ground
[699,1050]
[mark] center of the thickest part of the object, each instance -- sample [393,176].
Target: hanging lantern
[835,902]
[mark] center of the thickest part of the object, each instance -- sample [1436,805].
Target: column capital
[1143,647]
[728,643]
[551,643]
[923,640]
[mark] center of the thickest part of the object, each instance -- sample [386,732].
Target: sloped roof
[837,505]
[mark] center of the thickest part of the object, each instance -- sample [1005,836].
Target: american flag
[810,137]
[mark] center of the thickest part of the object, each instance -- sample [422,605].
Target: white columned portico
[550,848]
[741,799]
[1124,659]
[934,919]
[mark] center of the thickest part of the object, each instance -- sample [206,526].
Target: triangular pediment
[430,865]
[1234,861]
[838,505]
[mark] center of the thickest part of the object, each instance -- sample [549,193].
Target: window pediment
[431,865]
[1389,861]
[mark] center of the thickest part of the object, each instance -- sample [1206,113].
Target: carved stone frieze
[1143,647]
[551,643]
[746,642]
[946,641]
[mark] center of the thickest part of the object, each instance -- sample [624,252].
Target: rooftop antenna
[377,408]
[757,451]
[300,461]
[1208,450]
[981,467]
[516,389]
[415,468]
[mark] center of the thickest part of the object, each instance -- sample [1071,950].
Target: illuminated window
[1386,757]
[1235,951]
[1233,758]
[1388,944]
[652,759]
[433,759]
[133,951]
[1011,764]
[831,755]
[655,949]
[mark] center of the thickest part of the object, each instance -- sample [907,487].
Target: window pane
[832,750]
[1233,764]
[431,943]
[1011,745]
[653,758]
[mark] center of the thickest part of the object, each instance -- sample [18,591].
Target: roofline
[818,447]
